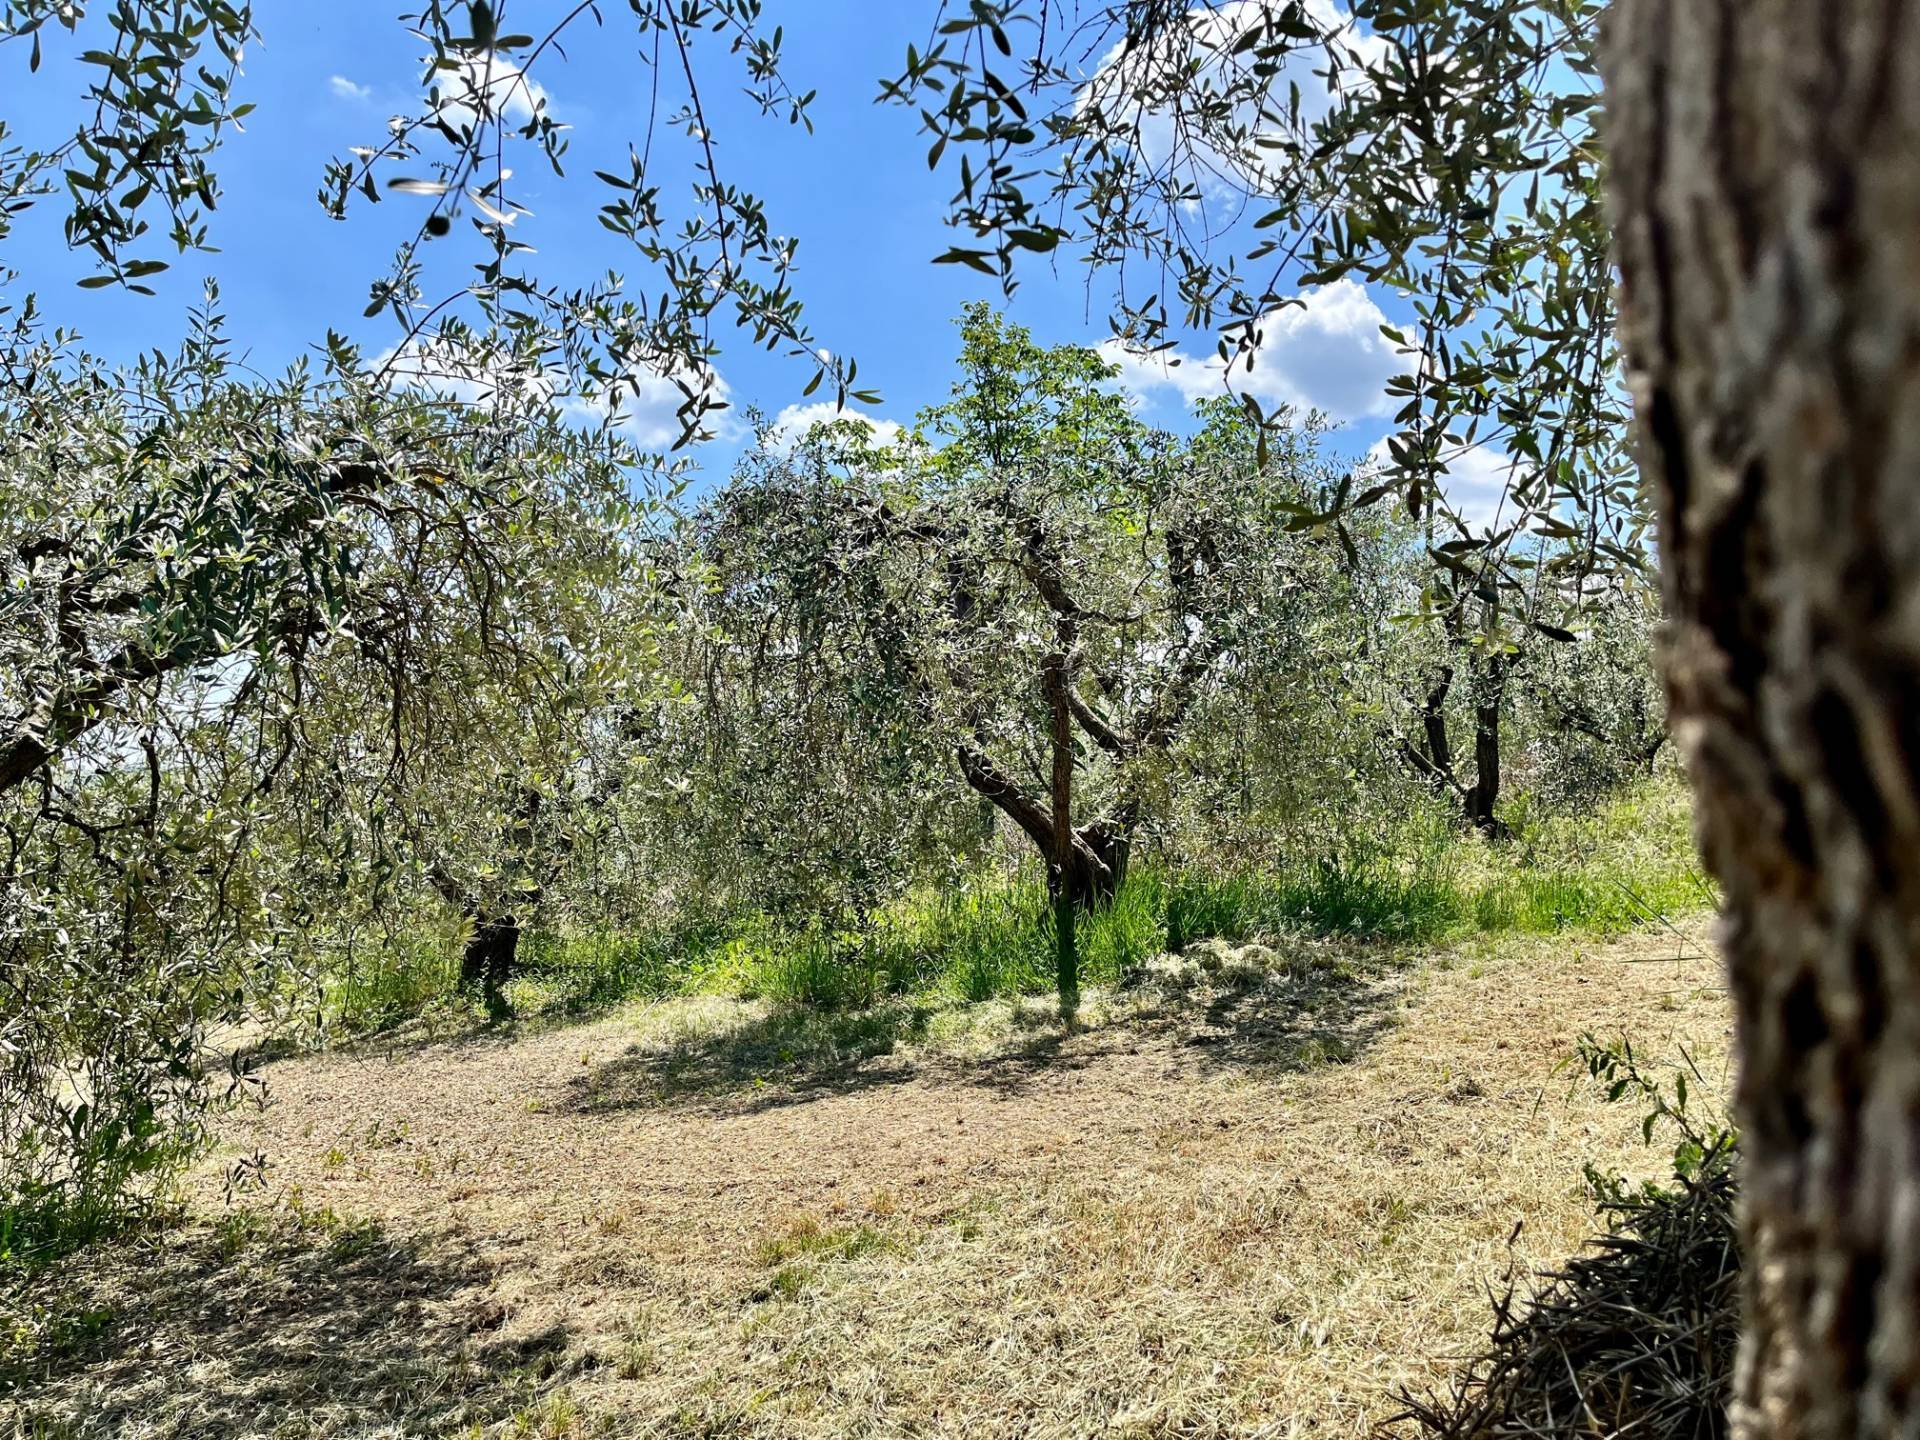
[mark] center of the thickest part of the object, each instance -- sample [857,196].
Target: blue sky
[857,194]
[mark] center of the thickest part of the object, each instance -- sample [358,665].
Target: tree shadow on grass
[783,1056]
[1247,1008]
[1276,1012]
[264,1325]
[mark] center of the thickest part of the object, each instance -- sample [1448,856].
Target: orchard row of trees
[1034,616]
[250,626]
[263,647]
[308,670]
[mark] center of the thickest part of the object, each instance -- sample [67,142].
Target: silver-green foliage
[270,652]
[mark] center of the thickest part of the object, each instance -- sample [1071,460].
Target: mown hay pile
[1632,1341]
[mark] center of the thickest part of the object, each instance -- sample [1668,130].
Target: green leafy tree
[202,564]
[1234,152]
[789,766]
[1596,706]
[1042,587]
[200,568]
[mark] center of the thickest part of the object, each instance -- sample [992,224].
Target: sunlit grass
[1629,864]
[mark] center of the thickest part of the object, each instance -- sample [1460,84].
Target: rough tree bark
[1765,181]
[1432,759]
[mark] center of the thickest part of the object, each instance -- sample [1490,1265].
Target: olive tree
[785,763]
[202,564]
[1593,709]
[237,613]
[1040,586]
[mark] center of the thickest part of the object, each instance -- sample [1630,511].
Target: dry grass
[1242,1200]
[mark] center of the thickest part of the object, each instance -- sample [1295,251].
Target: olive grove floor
[1253,1196]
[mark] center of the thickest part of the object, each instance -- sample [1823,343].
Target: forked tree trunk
[1765,174]
[1096,854]
[1093,866]
[1433,759]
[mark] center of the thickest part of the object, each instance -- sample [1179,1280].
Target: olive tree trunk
[1765,183]
[487,963]
[1438,758]
[1066,947]
[1490,689]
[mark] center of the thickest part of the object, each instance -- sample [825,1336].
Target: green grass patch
[796,1257]
[389,983]
[1629,864]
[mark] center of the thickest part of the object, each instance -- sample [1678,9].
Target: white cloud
[791,425]
[492,83]
[1475,485]
[1325,354]
[646,408]
[345,89]
[1130,86]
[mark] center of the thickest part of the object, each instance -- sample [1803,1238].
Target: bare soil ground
[1245,1199]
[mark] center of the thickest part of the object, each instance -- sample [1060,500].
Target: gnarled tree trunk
[1765,163]
[1096,864]
[493,943]
[1433,758]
